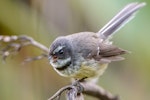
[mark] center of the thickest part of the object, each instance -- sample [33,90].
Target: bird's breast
[89,69]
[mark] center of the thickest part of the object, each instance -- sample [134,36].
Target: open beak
[55,58]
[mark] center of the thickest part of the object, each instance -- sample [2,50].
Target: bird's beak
[55,58]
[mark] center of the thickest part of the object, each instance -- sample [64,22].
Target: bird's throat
[65,66]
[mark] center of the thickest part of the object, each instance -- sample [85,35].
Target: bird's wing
[108,53]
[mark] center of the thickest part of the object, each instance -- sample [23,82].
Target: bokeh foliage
[44,20]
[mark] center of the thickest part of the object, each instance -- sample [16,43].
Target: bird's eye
[61,51]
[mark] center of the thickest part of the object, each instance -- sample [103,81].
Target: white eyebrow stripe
[58,48]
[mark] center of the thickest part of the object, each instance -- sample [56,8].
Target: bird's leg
[77,84]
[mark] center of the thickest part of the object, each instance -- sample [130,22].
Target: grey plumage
[87,54]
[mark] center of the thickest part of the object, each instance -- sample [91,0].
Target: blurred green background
[44,20]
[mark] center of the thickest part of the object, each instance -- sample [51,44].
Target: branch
[97,91]
[13,44]
[59,92]
[31,41]
[74,92]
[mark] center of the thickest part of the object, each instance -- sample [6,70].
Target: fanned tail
[124,16]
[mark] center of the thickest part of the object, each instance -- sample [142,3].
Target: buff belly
[89,71]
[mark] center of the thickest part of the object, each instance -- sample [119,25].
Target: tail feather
[124,16]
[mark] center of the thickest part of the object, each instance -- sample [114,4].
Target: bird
[87,54]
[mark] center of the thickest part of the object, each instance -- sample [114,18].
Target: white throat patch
[60,62]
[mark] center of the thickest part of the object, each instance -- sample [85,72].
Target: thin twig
[30,59]
[12,44]
[97,91]
[35,43]
[60,91]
